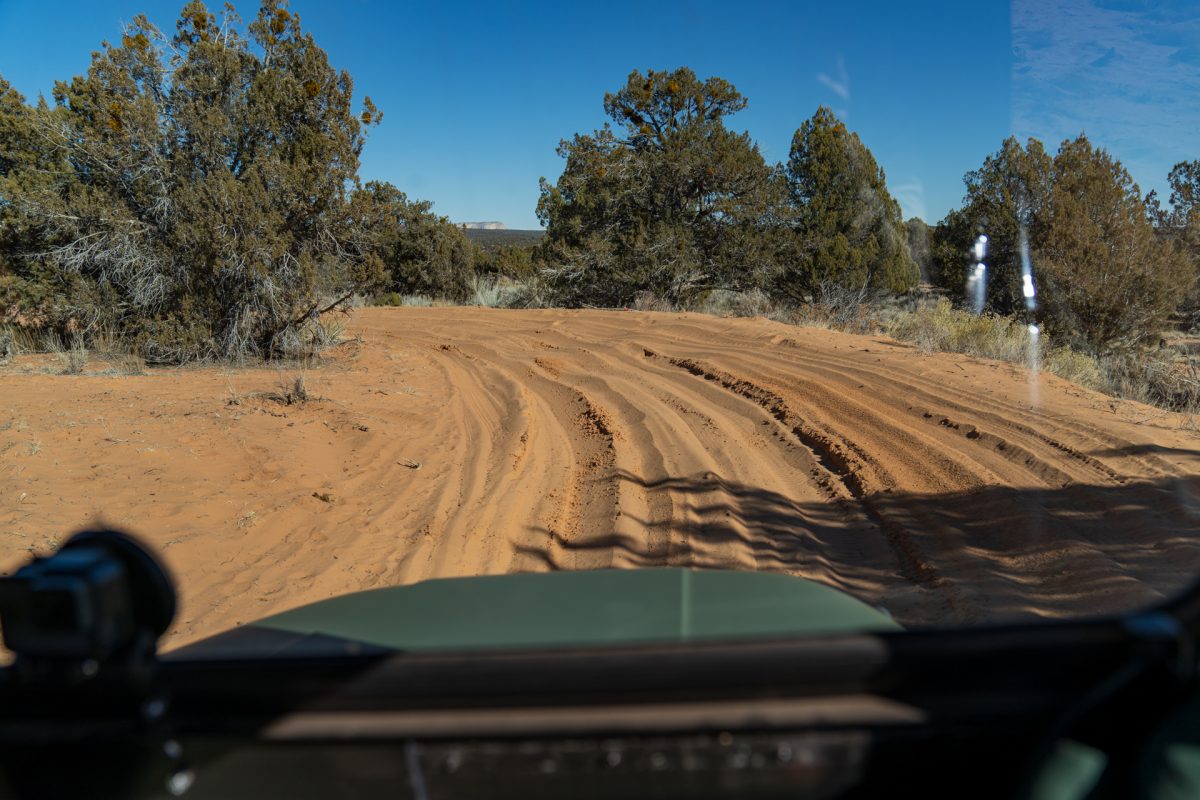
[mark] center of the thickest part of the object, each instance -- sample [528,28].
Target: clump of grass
[128,364]
[1163,377]
[943,328]
[295,393]
[106,342]
[101,342]
[648,301]
[499,291]
[1076,367]
[73,358]
[19,340]
[725,303]
[320,333]
[25,340]
[398,299]
[1156,377]
[117,351]
[292,392]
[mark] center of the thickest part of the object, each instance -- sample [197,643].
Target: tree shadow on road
[993,554]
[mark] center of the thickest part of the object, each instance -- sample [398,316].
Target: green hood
[559,609]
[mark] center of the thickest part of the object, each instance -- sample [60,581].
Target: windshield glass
[890,310]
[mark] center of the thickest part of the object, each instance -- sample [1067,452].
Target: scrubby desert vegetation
[196,195]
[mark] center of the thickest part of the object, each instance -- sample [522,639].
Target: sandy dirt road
[924,484]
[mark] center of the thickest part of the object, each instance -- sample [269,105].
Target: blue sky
[1127,72]
[477,95]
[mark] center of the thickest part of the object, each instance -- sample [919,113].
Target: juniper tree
[419,252]
[848,229]
[1106,279]
[29,167]
[204,200]
[664,198]
[1010,191]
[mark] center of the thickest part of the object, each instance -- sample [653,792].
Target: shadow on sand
[987,555]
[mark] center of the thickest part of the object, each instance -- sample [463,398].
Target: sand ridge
[459,441]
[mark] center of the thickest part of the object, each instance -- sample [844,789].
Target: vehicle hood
[552,610]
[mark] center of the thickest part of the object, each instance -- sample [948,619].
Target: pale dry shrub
[1160,377]
[72,358]
[944,328]
[649,301]
[501,291]
[16,339]
[291,392]
[727,303]
[1075,366]
[843,308]
[128,364]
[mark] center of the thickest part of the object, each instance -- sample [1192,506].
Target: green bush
[387,299]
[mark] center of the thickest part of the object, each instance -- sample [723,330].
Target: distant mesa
[494,235]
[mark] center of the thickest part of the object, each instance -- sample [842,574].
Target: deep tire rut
[833,458]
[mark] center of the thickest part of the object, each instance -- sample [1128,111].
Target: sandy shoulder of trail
[442,442]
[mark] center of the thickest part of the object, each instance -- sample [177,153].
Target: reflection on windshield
[899,364]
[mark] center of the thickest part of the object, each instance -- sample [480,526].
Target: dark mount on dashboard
[101,601]
[85,712]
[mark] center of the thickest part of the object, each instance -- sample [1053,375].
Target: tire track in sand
[841,475]
[549,440]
